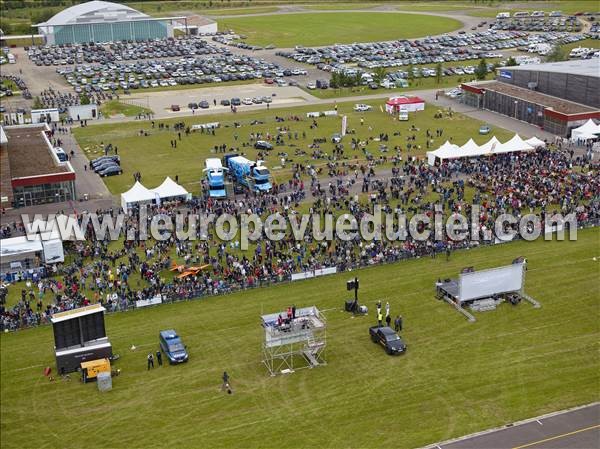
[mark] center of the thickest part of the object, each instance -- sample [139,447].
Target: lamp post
[516,103]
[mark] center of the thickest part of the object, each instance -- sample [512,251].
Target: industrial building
[32,174]
[557,97]
[100,21]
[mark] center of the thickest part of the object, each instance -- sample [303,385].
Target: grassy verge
[321,29]
[115,107]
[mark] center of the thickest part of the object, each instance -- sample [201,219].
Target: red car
[269,80]
[175,107]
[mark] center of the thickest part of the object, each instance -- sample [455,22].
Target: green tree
[84,99]
[510,62]
[439,71]
[481,70]
[379,74]
[357,79]
[558,53]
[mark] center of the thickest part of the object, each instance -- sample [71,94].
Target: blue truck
[172,346]
[250,174]
[215,176]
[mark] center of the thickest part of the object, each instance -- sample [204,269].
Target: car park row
[423,51]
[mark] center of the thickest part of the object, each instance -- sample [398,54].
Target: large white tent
[136,195]
[446,151]
[513,145]
[471,149]
[170,189]
[589,130]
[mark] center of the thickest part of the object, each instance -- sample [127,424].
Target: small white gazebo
[169,189]
[136,195]
[589,130]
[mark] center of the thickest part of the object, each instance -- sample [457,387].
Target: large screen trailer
[79,336]
[474,287]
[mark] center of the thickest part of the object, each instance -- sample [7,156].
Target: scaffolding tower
[295,344]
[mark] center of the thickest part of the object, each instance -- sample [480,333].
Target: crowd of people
[119,274]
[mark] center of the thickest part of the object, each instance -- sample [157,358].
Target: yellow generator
[90,370]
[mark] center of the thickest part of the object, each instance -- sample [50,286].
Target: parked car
[193,105]
[203,104]
[247,101]
[484,129]
[114,158]
[172,346]
[362,107]
[175,107]
[336,138]
[111,170]
[263,145]
[225,102]
[388,338]
[236,101]
[311,86]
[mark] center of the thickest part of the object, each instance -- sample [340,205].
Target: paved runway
[573,429]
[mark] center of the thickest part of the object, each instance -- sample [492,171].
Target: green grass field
[456,378]
[115,107]
[155,159]
[328,28]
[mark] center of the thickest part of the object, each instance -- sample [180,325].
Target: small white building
[83,112]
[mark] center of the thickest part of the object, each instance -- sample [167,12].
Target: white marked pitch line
[539,422]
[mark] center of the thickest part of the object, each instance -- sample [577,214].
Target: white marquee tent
[170,189]
[536,143]
[514,144]
[471,149]
[137,194]
[589,130]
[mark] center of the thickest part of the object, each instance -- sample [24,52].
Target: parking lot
[161,102]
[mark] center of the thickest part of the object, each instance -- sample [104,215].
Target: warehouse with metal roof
[100,21]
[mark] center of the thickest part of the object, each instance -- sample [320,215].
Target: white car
[247,101]
[311,86]
[362,107]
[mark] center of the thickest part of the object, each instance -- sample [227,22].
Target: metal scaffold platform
[295,343]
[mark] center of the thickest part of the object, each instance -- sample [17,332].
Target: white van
[60,154]
[503,15]
[538,14]
[403,114]
[11,58]
[521,14]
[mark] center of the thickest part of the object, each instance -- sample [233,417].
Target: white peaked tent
[490,145]
[536,143]
[170,189]
[137,194]
[589,130]
[470,149]
[514,144]
[446,151]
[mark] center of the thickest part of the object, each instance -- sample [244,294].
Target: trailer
[215,176]
[250,174]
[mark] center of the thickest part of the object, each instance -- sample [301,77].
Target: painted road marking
[585,429]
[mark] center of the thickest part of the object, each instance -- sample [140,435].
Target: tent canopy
[169,189]
[589,130]
[514,144]
[536,143]
[137,194]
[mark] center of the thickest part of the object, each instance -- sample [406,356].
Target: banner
[206,126]
[314,273]
[344,124]
[321,114]
[149,302]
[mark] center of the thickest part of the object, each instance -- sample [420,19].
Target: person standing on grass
[447,253]
[225,385]
[159,357]
[398,323]
[150,361]
[379,317]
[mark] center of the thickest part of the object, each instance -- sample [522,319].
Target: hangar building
[556,96]
[100,21]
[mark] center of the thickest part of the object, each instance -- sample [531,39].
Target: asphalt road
[577,428]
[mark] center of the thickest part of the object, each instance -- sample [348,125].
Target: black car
[203,104]
[263,145]
[111,170]
[193,105]
[388,338]
[225,103]
[236,102]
